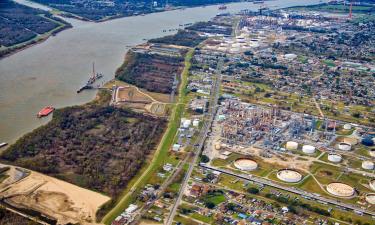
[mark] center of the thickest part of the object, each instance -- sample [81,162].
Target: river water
[49,73]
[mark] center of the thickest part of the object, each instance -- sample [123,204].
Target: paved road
[200,141]
[290,189]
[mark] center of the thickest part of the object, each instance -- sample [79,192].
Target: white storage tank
[372,184]
[347,126]
[308,149]
[372,152]
[289,176]
[291,145]
[334,158]
[186,124]
[344,146]
[367,165]
[245,164]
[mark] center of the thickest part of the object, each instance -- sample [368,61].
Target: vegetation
[253,190]
[153,72]
[8,217]
[292,205]
[161,154]
[19,23]
[212,27]
[94,146]
[183,38]
[213,198]
[101,10]
[205,159]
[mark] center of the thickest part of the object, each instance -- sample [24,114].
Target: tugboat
[93,78]
[45,111]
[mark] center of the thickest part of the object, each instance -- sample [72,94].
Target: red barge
[45,111]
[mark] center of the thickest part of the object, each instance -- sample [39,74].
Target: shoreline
[30,43]
[173,8]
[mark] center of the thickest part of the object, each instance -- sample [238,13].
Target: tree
[205,159]
[253,190]
[209,205]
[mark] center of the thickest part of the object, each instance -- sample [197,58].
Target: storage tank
[370,198]
[245,164]
[196,123]
[340,189]
[290,56]
[308,149]
[372,152]
[186,124]
[367,165]
[291,145]
[289,176]
[367,141]
[334,158]
[372,184]
[344,146]
[347,126]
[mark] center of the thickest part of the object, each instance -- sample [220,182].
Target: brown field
[58,199]
[140,99]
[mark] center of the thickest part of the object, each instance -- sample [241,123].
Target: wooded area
[183,38]
[10,218]
[99,10]
[19,23]
[94,146]
[153,72]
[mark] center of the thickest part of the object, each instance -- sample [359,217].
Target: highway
[201,139]
[289,189]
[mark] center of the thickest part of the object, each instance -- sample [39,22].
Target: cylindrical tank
[289,176]
[245,164]
[334,158]
[344,146]
[291,145]
[308,149]
[367,141]
[347,126]
[186,123]
[372,184]
[372,152]
[367,165]
[340,189]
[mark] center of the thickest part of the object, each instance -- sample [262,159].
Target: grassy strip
[161,153]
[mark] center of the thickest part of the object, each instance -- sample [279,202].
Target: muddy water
[50,73]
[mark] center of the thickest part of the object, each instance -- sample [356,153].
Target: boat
[93,78]
[3,144]
[258,2]
[45,111]
[222,7]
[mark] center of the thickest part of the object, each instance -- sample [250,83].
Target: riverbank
[8,51]
[102,13]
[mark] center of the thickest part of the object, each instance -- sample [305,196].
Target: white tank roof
[367,165]
[308,149]
[334,158]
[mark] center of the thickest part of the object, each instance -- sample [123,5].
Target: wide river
[50,73]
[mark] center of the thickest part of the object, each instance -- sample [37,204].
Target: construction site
[61,202]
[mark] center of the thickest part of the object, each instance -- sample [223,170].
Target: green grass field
[161,154]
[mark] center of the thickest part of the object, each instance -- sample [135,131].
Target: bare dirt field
[140,99]
[58,199]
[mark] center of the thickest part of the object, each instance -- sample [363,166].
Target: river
[49,73]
